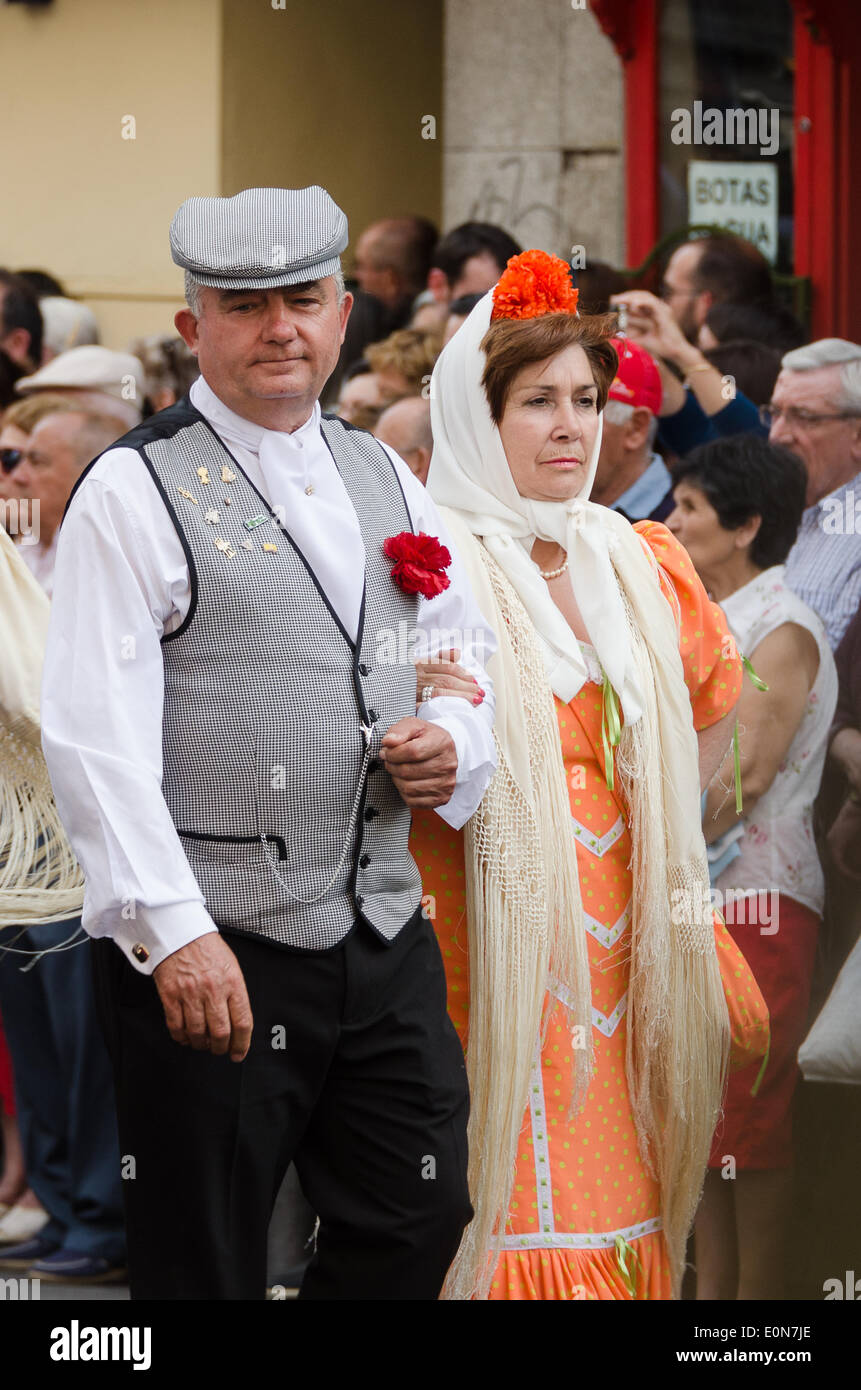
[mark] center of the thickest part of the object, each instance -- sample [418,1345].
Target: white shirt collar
[231,426]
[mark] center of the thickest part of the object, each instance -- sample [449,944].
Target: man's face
[257,347]
[478,275]
[51,466]
[397,428]
[375,279]
[810,424]
[611,460]
[361,393]
[689,307]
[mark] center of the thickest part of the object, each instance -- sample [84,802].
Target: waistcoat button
[371,812]
[373,716]
[364,861]
[363,670]
[359,900]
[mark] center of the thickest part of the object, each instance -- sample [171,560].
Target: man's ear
[704,301]
[186,326]
[16,344]
[344,309]
[638,424]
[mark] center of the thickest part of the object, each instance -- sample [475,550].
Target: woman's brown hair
[511,344]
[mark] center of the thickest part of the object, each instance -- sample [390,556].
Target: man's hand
[651,323]
[205,1000]
[422,762]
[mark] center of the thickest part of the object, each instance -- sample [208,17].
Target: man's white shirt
[121,582]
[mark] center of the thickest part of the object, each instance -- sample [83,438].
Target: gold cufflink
[140,953]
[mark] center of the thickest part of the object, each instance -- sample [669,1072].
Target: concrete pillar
[533,104]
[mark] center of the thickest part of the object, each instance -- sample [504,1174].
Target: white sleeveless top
[778,851]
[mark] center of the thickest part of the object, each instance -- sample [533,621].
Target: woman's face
[695,523]
[549,426]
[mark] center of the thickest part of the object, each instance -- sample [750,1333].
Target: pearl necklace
[554,574]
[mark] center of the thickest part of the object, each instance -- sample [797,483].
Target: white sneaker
[22,1223]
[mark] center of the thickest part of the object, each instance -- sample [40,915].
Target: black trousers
[355,1073]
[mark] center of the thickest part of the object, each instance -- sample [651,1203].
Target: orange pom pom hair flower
[532,284]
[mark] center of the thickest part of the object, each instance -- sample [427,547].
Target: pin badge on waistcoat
[225,547]
[203,474]
[212,517]
[267,545]
[226,475]
[184,492]
[254,521]
[248,543]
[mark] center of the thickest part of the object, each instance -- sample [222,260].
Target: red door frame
[827,129]
[632,25]
[827,46]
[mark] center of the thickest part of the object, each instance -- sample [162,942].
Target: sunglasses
[10,458]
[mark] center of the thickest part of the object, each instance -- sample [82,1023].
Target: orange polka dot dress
[580,1184]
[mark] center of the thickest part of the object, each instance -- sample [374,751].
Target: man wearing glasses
[816,411]
[43,451]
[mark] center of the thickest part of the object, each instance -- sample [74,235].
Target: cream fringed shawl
[40,880]
[525,922]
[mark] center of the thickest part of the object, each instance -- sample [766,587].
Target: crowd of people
[729,453]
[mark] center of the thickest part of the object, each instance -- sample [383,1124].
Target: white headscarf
[470,474]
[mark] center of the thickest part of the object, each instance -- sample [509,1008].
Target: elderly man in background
[631,477]
[406,428]
[392,262]
[56,453]
[96,380]
[815,410]
[393,257]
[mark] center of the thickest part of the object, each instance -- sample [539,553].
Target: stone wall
[532,125]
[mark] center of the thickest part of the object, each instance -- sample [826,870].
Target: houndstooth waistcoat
[266,694]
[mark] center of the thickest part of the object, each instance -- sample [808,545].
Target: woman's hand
[445,677]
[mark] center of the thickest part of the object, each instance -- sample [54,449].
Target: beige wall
[334,93]
[225,94]
[534,107]
[78,199]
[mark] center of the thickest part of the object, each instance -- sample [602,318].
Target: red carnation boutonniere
[419,563]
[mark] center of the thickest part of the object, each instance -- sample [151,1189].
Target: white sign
[742,197]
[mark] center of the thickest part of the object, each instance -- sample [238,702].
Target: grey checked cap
[260,238]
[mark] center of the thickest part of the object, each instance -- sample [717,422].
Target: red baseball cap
[637,380]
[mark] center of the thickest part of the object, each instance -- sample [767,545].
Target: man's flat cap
[260,238]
